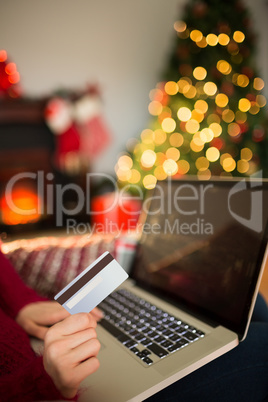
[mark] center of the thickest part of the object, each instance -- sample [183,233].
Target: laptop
[192,287]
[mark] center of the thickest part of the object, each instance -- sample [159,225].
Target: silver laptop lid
[203,244]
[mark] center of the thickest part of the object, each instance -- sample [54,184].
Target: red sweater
[22,374]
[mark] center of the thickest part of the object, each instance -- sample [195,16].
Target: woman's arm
[14,294]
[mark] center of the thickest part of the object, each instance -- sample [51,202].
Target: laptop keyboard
[146,330]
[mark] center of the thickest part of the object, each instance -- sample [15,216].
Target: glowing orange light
[147,136]
[201,106]
[202,163]
[246,154]
[184,114]
[228,164]
[10,68]
[168,125]
[156,94]
[135,176]
[170,167]
[148,158]
[176,139]
[242,166]
[216,128]
[202,43]
[210,88]
[160,159]
[244,105]
[261,100]
[25,201]
[196,115]
[125,162]
[242,80]
[149,181]
[206,135]
[192,126]
[171,88]
[14,78]
[196,35]
[155,108]
[173,153]
[159,137]
[212,154]
[180,26]
[228,115]
[212,39]
[200,73]
[258,84]
[221,100]
[238,36]
[190,92]
[223,39]
[183,167]
[254,108]
[224,67]
[184,84]
[159,173]
[234,129]
[3,56]
[196,147]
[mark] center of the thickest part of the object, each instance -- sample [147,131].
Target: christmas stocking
[58,116]
[94,135]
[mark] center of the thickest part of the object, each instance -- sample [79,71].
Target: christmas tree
[208,113]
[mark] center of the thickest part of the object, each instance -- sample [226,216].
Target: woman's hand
[70,352]
[35,318]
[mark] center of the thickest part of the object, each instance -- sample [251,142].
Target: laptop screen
[202,245]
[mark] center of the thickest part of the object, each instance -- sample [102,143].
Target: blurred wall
[122,45]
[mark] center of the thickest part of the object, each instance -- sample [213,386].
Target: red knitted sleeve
[14,294]
[28,383]
[22,374]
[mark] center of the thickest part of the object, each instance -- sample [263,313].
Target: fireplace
[27,171]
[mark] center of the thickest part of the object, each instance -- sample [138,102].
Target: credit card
[93,285]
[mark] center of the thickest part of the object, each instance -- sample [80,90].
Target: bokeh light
[148,158]
[173,153]
[180,26]
[176,139]
[216,129]
[210,88]
[221,100]
[223,39]
[170,167]
[171,88]
[196,35]
[168,125]
[238,36]
[200,73]
[159,137]
[244,105]
[258,84]
[155,108]
[184,114]
[212,39]
[201,106]
[183,167]
[149,181]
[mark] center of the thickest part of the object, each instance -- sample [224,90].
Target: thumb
[39,331]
